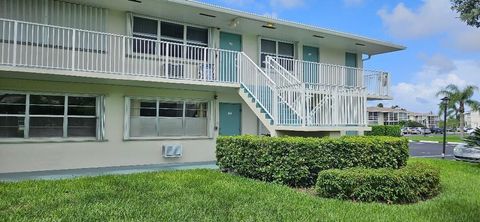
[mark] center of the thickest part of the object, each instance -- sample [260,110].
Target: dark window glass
[197,35]
[170,109]
[268,46]
[82,127]
[148,27]
[46,127]
[82,101]
[12,104]
[12,126]
[46,105]
[285,49]
[196,110]
[82,106]
[148,109]
[171,30]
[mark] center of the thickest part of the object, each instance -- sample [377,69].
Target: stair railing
[259,85]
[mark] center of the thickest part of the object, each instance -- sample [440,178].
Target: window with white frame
[277,49]
[167,118]
[31,115]
[154,29]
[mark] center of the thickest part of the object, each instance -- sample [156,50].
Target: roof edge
[263,18]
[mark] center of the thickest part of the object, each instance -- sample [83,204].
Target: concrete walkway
[72,173]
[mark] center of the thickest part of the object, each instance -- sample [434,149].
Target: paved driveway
[432,150]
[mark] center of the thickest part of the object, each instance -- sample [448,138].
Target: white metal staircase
[281,100]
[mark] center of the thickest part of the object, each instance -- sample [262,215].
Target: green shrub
[410,184]
[385,130]
[296,161]
[474,138]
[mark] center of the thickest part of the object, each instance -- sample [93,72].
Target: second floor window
[152,29]
[276,49]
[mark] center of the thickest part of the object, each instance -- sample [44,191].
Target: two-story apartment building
[430,120]
[393,116]
[386,115]
[88,83]
[472,119]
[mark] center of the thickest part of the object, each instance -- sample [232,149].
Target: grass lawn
[437,138]
[199,195]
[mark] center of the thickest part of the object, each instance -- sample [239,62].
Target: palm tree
[458,99]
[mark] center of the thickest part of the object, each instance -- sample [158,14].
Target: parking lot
[430,150]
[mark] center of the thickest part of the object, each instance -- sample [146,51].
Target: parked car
[467,153]
[426,131]
[470,131]
[436,130]
[414,131]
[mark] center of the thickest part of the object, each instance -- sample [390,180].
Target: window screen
[48,115]
[171,119]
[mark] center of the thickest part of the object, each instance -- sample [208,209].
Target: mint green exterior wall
[115,150]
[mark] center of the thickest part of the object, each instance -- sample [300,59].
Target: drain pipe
[368,58]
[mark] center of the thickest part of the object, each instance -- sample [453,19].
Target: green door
[230,119]
[310,71]
[228,60]
[351,61]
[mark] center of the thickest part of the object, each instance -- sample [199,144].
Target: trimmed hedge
[410,184]
[385,130]
[296,161]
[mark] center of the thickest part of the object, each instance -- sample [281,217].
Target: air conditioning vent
[172,151]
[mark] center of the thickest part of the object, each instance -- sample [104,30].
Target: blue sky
[441,49]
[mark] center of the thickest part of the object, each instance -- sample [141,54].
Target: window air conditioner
[172,150]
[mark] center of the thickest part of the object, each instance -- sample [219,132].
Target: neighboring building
[430,120]
[472,119]
[89,83]
[393,116]
[386,116]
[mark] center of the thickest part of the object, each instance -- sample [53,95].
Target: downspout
[368,58]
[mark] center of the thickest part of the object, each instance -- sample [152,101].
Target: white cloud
[433,17]
[439,62]
[286,3]
[271,14]
[419,93]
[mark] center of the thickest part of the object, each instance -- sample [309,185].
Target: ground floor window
[167,118]
[37,115]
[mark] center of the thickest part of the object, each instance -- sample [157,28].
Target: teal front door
[230,119]
[228,60]
[310,70]
[351,61]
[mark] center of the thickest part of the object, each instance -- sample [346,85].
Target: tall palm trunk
[461,110]
[462,124]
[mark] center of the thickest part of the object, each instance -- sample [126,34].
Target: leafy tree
[452,122]
[380,105]
[469,11]
[459,98]
[411,123]
[474,139]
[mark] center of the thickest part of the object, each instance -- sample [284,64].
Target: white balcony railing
[34,45]
[375,82]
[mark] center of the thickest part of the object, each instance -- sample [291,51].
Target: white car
[467,153]
[470,131]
